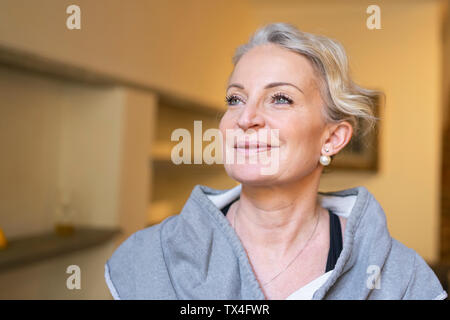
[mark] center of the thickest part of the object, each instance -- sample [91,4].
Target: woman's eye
[233,100]
[281,99]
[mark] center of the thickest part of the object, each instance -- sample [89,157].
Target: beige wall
[29,138]
[184,46]
[446,68]
[135,170]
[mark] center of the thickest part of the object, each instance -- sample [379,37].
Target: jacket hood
[197,255]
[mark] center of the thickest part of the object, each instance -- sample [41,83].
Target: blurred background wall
[90,112]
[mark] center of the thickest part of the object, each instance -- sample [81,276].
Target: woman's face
[273,88]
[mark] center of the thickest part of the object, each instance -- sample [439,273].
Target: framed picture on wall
[361,153]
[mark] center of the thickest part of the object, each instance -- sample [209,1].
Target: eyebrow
[268,86]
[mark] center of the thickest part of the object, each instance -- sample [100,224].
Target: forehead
[271,63]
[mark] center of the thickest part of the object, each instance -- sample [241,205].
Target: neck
[276,218]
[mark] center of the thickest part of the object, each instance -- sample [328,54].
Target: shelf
[19,59]
[161,151]
[23,251]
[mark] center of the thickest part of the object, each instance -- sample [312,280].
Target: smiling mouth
[253,147]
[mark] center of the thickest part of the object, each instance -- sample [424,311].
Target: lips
[252,145]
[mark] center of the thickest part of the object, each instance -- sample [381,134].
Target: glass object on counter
[3,241]
[64,213]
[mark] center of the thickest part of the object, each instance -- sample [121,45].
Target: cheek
[226,122]
[223,125]
[301,137]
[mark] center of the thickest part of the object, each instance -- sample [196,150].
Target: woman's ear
[339,135]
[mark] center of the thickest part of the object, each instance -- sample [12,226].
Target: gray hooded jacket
[197,255]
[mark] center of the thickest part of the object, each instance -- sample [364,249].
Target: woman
[275,236]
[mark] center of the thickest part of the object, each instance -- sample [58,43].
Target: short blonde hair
[344,100]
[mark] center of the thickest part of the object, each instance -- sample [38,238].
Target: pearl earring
[325,160]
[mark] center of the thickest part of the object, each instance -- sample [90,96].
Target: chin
[249,174]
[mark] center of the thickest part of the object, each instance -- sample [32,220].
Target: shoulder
[137,265]
[418,281]
[132,246]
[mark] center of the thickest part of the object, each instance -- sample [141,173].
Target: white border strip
[441,296]
[221,200]
[342,206]
[111,287]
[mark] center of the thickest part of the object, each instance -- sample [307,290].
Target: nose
[250,117]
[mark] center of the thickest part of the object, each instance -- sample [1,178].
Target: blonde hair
[344,100]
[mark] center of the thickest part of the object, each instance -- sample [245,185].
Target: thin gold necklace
[298,254]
